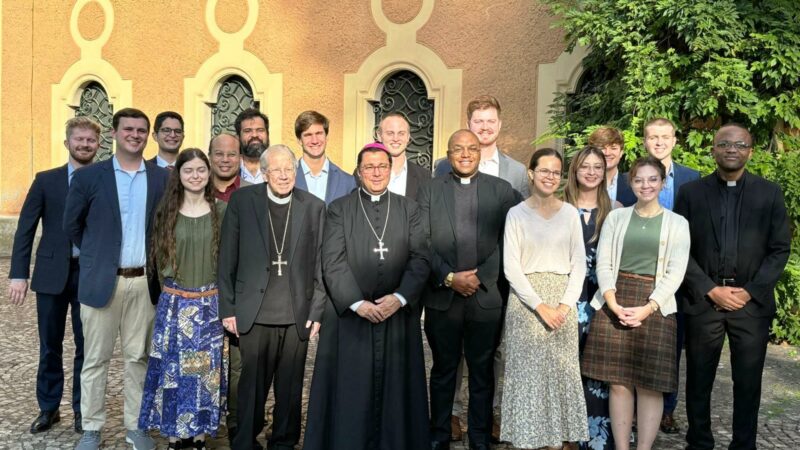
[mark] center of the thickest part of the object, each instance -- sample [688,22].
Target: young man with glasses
[168,134]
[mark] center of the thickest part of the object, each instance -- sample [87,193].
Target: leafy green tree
[698,63]
[701,64]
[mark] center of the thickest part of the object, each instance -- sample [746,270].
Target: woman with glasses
[586,190]
[545,263]
[642,256]
[185,386]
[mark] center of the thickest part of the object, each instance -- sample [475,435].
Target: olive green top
[193,250]
[640,246]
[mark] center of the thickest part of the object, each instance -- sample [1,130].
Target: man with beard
[168,134]
[368,390]
[55,274]
[252,127]
[108,216]
[463,214]
[315,172]
[483,119]
[274,314]
[740,245]
[394,132]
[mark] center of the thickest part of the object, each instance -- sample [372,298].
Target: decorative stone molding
[560,76]
[231,59]
[401,52]
[66,94]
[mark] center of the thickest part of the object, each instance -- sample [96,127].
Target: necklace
[280,262]
[380,249]
[647,218]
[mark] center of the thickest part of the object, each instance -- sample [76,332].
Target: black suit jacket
[437,207]
[245,257]
[92,221]
[763,247]
[45,202]
[417,177]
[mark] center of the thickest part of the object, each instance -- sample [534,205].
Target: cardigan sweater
[673,257]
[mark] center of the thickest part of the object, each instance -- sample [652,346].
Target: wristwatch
[448,280]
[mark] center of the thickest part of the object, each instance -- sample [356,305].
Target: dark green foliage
[700,64]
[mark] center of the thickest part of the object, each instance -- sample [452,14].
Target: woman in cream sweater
[641,260]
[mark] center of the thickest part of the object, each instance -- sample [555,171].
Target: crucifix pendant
[280,262]
[381,249]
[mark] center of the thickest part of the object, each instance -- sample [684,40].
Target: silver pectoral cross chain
[280,262]
[381,249]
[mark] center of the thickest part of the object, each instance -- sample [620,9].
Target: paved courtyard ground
[779,418]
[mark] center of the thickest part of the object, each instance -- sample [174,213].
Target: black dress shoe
[78,423]
[440,445]
[45,420]
[480,447]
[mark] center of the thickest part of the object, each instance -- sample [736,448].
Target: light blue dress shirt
[317,185]
[612,188]
[132,196]
[161,162]
[667,195]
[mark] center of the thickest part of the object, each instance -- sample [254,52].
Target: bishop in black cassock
[368,390]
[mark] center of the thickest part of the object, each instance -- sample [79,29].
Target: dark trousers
[51,316]
[671,398]
[748,337]
[464,325]
[270,352]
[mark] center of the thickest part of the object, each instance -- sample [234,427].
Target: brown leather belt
[130,272]
[190,294]
[636,276]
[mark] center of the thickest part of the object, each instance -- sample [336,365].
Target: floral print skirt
[186,383]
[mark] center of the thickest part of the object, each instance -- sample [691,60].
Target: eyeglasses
[282,172]
[738,145]
[587,169]
[168,131]
[638,181]
[544,173]
[379,168]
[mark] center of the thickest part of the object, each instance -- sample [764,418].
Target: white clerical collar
[731,183]
[374,197]
[276,199]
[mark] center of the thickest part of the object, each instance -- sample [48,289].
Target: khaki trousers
[129,314]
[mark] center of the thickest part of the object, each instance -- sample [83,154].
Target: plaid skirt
[643,356]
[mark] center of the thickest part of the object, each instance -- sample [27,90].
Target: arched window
[94,103]
[405,92]
[235,95]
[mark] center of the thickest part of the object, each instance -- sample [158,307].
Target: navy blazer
[45,202]
[340,183]
[92,221]
[683,175]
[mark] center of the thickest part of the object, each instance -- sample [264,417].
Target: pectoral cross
[280,262]
[381,249]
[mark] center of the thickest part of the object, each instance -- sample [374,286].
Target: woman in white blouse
[641,259]
[545,263]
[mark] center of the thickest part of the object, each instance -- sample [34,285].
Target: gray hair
[273,149]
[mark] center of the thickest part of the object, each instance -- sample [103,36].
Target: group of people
[215,269]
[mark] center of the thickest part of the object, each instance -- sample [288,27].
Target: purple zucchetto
[373,147]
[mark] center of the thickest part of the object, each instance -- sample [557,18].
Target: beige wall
[157,44]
